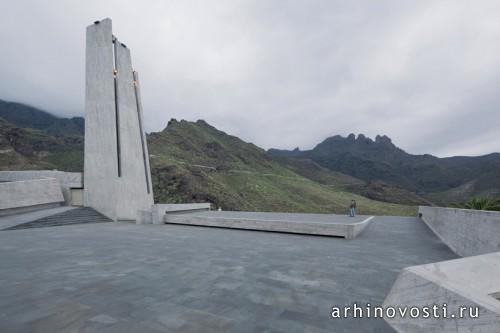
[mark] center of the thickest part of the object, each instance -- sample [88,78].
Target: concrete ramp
[312,224]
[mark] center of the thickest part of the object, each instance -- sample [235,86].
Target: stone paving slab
[121,277]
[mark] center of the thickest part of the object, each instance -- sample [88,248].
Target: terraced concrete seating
[73,216]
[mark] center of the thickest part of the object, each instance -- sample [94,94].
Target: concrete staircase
[73,216]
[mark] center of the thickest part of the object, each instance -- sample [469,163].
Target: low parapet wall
[21,195]
[67,180]
[70,179]
[467,232]
[159,210]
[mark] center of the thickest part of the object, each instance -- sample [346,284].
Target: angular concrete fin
[101,158]
[145,152]
[117,176]
[134,184]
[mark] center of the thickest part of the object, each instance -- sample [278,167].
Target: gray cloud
[279,74]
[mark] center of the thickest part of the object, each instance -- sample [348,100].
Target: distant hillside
[29,148]
[381,161]
[26,116]
[193,161]
[190,162]
[376,190]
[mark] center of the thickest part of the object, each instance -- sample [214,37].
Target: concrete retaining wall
[68,180]
[467,232]
[29,193]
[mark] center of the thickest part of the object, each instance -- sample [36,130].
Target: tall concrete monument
[117,175]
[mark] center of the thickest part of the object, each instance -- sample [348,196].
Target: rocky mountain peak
[383,139]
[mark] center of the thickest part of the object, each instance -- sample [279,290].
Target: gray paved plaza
[120,277]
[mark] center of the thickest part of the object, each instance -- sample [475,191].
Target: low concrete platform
[312,224]
[159,210]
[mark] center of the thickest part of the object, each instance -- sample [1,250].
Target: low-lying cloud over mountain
[426,73]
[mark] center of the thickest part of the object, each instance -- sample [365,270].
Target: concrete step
[71,217]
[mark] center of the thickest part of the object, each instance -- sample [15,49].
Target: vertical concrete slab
[101,157]
[133,185]
[144,141]
[117,178]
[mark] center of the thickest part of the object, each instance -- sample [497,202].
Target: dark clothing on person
[352,209]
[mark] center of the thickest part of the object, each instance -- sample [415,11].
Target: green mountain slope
[193,161]
[26,116]
[196,162]
[380,161]
[190,162]
[29,148]
[376,190]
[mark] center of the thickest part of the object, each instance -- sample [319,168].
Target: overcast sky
[278,73]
